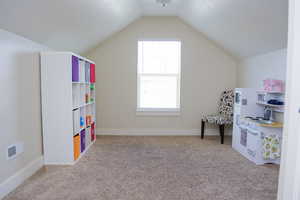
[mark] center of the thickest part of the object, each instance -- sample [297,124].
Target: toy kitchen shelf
[264,96]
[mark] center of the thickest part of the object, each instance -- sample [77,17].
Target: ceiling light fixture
[163,3]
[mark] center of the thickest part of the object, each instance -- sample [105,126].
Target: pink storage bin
[273,85]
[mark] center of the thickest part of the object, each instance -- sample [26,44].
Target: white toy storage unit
[68,106]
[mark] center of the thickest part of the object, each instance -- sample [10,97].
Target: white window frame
[159,111]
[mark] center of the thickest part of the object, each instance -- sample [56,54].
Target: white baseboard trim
[159,132]
[18,178]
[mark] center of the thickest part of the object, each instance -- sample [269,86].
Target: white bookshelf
[68,106]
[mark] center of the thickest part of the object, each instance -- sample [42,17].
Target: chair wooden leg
[222,130]
[202,128]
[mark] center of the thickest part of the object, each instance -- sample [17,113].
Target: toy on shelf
[81,122]
[87,99]
[273,85]
[88,120]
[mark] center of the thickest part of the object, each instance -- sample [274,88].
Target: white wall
[289,177]
[20,112]
[206,71]
[252,71]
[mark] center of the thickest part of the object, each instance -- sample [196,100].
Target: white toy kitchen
[257,134]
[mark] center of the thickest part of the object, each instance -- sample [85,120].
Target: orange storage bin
[76,147]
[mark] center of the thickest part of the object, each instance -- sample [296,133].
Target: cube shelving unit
[68,106]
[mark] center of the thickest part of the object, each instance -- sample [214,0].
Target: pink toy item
[273,85]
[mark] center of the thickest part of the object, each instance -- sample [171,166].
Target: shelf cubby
[264,96]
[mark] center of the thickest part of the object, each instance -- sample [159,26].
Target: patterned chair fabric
[225,111]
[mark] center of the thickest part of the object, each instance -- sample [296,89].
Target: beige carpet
[154,168]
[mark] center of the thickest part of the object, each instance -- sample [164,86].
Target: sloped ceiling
[242,27]
[73,25]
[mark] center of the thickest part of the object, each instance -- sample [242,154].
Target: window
[158,81]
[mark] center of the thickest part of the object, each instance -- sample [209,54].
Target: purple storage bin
[82,140]
[75,69]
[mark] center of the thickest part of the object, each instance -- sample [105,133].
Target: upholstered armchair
[224,115]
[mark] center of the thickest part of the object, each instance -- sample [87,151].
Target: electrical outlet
[14,150]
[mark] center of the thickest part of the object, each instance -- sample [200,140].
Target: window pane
[158,91]
[159,57]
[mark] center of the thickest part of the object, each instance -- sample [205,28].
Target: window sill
[157,112]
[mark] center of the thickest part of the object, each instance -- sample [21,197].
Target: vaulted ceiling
[242,27]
